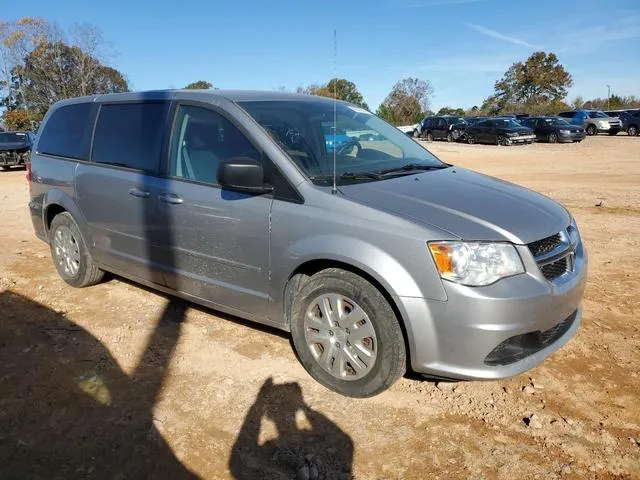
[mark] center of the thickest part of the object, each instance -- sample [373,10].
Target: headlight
[573,232]
[603,124]
[565,132]
[475,263]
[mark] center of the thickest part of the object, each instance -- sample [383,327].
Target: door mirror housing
[242,174]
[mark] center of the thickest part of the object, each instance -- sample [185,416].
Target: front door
[217,240]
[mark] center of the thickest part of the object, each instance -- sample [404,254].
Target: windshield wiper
[411,167]
[347,176]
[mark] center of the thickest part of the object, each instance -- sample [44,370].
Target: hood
[514,129]
[13,145]
[466,204]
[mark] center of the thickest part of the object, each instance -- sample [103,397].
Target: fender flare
[58,197]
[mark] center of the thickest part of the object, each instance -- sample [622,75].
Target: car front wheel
[346,334]
[553,137]
[592,130]
[632,131]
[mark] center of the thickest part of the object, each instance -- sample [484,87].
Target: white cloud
[499,36]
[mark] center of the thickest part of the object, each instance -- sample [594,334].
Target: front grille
[540,247]
[521,346]
[555,269]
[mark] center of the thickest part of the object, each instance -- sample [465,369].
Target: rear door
[214,243]
[440,129]
[118,188]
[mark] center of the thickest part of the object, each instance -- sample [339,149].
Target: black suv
[499,131]
[446,127]
[15,148]
[554,129]
[631,123]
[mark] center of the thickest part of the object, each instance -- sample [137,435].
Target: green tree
[540,79]
[385,113]
[577,102]
[55,71]
[339,88]
[408,101]
[459,112]
[199,85]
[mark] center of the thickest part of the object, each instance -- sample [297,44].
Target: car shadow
[67,410]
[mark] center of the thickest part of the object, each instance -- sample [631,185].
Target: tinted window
[130,135]
[204,138]
[566,114]
[67,132]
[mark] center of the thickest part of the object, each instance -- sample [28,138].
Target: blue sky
[461,46]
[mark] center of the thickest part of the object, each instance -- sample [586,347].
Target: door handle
[171,198]
[136,192]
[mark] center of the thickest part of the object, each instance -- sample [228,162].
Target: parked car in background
[474,120]
[631,123]
[340,142]
[554,129]
[445,127]
[409,129]
[224,198]
[593,121]
[15,148]
[499,131]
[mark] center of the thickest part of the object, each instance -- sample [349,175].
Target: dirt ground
[116,381]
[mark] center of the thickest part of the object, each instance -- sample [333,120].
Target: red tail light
[28,167]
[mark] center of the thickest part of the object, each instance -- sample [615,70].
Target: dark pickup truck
[15,148]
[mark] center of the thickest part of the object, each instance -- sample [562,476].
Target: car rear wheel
[416,133]
[70,254]
[450,137]
[632,130]
[471,139]
[346,334]
[553,137]
[429,137]
[592,130]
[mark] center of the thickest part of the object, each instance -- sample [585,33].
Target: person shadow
[67,409]
[308,445]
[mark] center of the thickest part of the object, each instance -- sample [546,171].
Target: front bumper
[521,139]
[12,158]
[499,330]
[572,137]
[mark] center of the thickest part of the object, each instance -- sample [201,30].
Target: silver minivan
[315,217]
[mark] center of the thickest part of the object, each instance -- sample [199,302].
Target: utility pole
[608,97]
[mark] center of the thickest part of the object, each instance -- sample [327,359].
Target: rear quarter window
[130,135]
[67,132]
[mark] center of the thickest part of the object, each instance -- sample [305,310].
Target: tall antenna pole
[334,189]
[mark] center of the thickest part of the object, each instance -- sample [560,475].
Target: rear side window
[67,132]
[130,135]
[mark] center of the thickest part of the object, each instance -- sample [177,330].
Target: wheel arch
[55,202]
[309,267]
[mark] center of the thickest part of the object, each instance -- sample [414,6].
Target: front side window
[203,139]
[67,132]
[362,143]
[130,135]
[597,115]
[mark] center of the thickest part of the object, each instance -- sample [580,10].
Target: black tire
[613,132]
[87,273]
[471,139]
[502,140]
[390,362]
[632,131]
[429,137]
[592,130]
[552,137]
[450,137]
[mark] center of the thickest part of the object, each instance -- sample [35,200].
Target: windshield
[597,115]
[10,137]
[362,142]
[506,123]
[555,121]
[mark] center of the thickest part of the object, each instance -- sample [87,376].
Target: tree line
[40,64]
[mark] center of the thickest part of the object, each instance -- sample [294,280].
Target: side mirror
[243,174]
